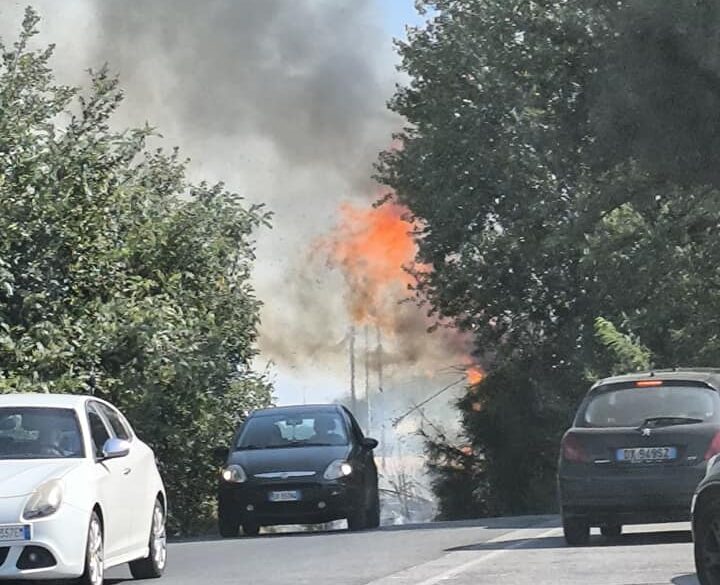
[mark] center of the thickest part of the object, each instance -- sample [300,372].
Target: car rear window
[632,406]
[288,430]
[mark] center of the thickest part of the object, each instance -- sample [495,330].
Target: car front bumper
[649,495]
[63,535]
[320,501]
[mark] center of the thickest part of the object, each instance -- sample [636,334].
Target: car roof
[710,376]
[45,400]
[296,409]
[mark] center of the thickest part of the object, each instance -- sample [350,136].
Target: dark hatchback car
[298,465]
[637,450]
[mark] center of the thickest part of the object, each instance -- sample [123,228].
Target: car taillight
[573,451]
[714,447]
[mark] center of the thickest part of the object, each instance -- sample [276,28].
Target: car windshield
[39,433]
[657,406]
[293,430]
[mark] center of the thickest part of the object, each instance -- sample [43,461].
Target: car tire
[153,565]
[94,572]
[373,514]
[358,518]
[611,531]
[228,525]
[707,543]
[251,529]
[576,531]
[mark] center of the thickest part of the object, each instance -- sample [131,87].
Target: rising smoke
[285,102]
[293,94]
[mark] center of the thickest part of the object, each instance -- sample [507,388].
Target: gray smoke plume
[287,98]
[302,75]
[283,100]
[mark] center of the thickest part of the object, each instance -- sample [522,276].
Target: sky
[397,14]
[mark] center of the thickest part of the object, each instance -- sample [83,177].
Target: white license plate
[645,454]
[284,496]
[15,532]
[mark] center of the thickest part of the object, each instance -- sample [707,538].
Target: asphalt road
[517,551]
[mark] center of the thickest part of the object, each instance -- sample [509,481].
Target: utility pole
[353,393]
[383,452]
[367,381]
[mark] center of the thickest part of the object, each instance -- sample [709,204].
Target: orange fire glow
[373,246]
[374,249]
[475,375]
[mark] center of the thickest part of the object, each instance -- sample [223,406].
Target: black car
[298,465]
[637,450]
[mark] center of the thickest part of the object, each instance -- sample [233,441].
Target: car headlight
[337,469]
[234,474]
[44,501]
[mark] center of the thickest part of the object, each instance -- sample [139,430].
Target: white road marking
[488,557]
[450,565]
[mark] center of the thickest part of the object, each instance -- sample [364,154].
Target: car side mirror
[115,448]
[369,444]
[221,454]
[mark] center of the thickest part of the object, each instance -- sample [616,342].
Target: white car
[79,492]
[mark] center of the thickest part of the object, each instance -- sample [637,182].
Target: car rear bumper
[650,496]
[320,502]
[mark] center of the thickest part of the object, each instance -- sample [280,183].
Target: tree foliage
[628,354]
[561,160]
[118,276]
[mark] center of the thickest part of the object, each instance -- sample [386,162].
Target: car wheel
[153,565]
[707,544]
[373,514]
[576,531]
[94,553]
[611,531]
[251,529]
[358,518]
[228,525]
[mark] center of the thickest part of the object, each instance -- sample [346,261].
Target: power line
[402,417]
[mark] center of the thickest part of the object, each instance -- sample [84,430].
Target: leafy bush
[119,277]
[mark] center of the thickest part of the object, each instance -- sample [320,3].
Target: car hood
[290,459]
[23,477]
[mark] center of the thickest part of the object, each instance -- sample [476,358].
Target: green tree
[118,276]
[541,160]
[628,354]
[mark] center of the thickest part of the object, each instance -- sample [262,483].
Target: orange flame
[373,246]
[375,250]
[475,375]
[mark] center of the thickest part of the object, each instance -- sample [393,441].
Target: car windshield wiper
[249,447]
[666,421]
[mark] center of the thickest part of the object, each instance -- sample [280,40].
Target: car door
[113,486]
[137,467]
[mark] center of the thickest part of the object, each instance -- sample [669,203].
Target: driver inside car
[324,427]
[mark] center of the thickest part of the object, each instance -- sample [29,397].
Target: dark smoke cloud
[303,75]
[286,98]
